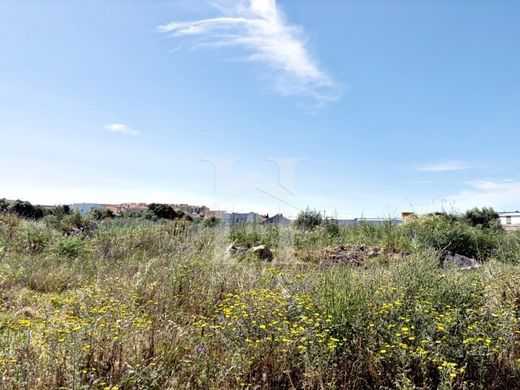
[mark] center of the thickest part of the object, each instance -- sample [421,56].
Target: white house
[510,220]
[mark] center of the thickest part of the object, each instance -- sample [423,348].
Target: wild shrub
[4,205]
[211,221]
[75,223]
[453,234]
[432,329]
[251,235]
[485,218]
[308,219]
[161,211]
[331,228]
[508,248]
[101,214]
[26,210]
[33,238]
[69,246]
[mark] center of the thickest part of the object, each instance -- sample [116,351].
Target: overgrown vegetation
[308,219]
[138,303]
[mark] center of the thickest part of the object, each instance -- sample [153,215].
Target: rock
[27,312]
[234,250]
[450,259]
[373,252]
[262,252]
[346,254]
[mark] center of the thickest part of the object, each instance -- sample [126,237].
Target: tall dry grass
[136,304]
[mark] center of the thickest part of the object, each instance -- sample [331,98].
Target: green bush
[3,205]
[161,211]
[331,228]
[452,233]
[75,223]
[308,219]
[71,246]
[211,221]
[485,218]
[26,210]
[101,214]
[34,237]
[251,235]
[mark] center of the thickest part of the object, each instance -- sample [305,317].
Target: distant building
[215,213]
[407,215]
[85,208]
[510,220]
[241,218]
[369,221]
[127,208]
[277,219]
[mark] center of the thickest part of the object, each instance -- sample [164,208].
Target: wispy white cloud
[446,166]
[120,129]
[259,27]
[500,194]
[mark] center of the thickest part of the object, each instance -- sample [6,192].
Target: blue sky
[368,107]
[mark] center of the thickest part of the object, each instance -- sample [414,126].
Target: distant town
[510,220]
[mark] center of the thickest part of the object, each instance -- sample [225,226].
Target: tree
[102,214]
[211,221]
[26,210]
[308,219]
[161,211]
[486,218]
[331,227]
[60,211]
[3,205]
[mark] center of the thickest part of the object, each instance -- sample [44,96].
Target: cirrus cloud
[120,128]
[260,28]
[500,194]
[446,166]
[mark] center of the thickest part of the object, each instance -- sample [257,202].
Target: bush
[60,211]
[452,233]
[3,205]
[485,218]
[211,221]
[101,214]
[26,210]
[252,235]
[70,247]
[74,223]
[161,211]
[34,238]
[331,228]
[308,219]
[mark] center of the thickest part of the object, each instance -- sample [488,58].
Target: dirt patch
[356,255]
[348,254]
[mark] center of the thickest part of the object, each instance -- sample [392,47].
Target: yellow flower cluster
[428,330]
[273,319]
[68,327]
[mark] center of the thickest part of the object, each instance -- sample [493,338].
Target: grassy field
[137,304]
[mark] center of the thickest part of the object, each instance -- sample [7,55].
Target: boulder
[449,259]
[262,252]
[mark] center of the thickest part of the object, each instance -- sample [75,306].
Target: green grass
[136,304]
